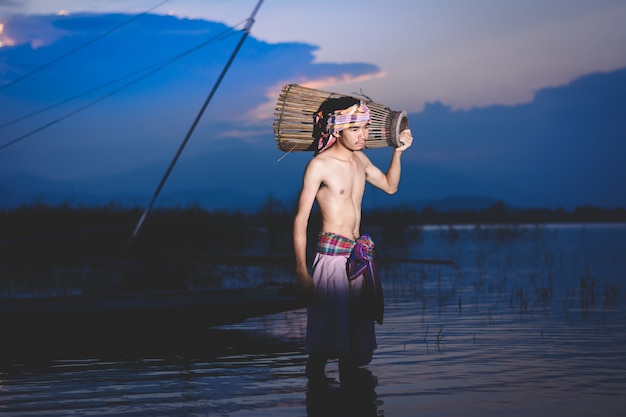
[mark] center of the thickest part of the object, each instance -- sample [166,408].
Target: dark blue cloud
[565,147]
[146,41]
[149,118]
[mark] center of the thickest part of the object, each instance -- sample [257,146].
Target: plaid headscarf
[340,120]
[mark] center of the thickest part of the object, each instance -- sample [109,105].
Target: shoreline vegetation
[108,228]
[37,220]
[179,248]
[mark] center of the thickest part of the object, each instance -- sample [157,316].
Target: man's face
[354,137]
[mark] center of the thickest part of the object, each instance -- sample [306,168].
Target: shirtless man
[335,178]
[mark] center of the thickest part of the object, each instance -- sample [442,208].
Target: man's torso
[340,195]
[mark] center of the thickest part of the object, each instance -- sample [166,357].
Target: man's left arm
[389,181]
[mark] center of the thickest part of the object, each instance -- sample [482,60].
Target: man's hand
[304,285]
[406,139]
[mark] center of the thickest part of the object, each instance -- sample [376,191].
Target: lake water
[530,321]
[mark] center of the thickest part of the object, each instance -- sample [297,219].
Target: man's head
[334,116]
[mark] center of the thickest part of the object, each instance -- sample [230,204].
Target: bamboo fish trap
[296,106]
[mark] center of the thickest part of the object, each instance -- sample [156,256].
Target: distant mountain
[454,203]
[28,189]
[56,193]
[59,192]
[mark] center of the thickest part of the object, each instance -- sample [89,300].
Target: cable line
[78,48]
[148,72]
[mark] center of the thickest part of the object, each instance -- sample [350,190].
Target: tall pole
[247,28]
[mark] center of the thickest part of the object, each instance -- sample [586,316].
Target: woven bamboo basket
[293,120]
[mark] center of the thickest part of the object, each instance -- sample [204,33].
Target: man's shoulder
[361,155]
[317,166]
[320,160]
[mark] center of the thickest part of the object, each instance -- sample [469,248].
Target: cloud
[265,110]
[564,147]
[342,78]
[154,108]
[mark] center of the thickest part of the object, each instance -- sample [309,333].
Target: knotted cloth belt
[360,264]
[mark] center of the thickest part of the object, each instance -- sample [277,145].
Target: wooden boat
[160,309]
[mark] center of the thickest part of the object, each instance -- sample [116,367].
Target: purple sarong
[335,323]
[361,264]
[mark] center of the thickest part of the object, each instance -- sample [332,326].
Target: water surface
[529,321]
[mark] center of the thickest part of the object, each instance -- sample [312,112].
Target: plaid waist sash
[334,244]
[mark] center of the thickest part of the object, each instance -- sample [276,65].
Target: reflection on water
[530,321]
[355,397]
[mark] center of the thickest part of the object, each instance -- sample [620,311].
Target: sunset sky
[468,59]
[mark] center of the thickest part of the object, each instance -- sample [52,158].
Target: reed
[439,339]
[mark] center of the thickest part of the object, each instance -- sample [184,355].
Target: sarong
[335,323]
[361,265]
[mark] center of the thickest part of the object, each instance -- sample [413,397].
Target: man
[335,178]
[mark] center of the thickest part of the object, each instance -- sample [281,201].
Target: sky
[464,53]
[467,71]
